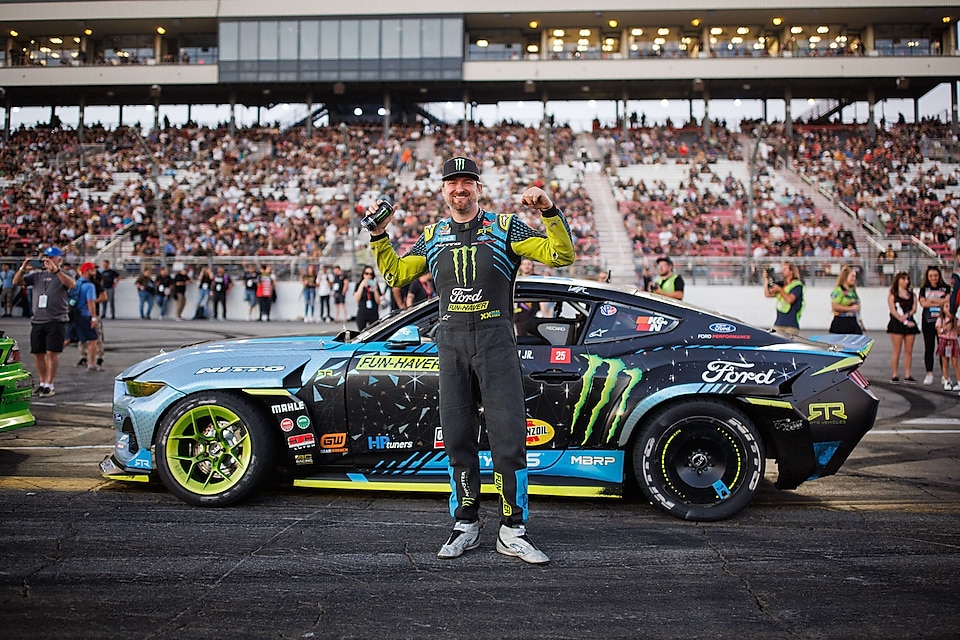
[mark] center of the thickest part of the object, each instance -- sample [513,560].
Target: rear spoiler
[847,342]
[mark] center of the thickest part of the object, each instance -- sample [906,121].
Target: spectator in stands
[7,290]
[108,279]
[845,303]
[218,292]
[788,291]
[49,314]
[902,327]
[146,290]
[667,283]
[180,282]
[931,296]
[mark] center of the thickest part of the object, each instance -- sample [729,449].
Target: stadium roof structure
[243,52]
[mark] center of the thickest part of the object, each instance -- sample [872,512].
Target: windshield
[418,314]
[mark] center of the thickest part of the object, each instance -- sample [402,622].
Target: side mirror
[407,336]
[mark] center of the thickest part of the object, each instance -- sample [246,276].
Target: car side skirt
[541,486]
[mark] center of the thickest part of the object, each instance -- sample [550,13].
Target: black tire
[699,460]
[214,449]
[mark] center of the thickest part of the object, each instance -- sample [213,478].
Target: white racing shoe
[465,536]
[513,541]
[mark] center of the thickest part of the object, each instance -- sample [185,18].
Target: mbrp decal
[398,363]
[539,432]
[736,373]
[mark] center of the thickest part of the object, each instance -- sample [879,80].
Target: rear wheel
[214,449]
[699,460]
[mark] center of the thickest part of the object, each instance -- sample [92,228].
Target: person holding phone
[48,324]
[367,295]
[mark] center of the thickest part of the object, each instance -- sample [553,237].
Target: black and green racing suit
[474,266]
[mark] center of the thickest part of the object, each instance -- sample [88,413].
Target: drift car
[16,387]
[621,387]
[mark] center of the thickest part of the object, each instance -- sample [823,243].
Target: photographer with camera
[788,291]
[48,325]
[667,283]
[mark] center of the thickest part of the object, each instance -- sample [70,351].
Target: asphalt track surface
[873,552]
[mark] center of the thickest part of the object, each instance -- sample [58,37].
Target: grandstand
[823,192]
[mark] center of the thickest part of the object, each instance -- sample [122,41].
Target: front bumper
[111,470]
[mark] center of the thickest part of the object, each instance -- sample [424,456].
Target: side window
[543,321]
[616,322]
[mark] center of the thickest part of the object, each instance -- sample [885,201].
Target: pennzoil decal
[827,413]
[398,363]
[539,432]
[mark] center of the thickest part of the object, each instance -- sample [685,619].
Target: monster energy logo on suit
[465,264]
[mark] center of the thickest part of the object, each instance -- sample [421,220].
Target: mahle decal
[614,369]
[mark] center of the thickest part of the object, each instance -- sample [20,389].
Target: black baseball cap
[460,166]
[665,259]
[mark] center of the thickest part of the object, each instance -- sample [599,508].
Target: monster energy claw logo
[465,264]
[459,163]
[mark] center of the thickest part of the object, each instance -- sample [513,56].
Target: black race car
[621,387]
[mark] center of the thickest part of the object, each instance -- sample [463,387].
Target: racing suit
[474,265]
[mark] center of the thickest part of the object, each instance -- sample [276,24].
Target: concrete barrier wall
[744,303]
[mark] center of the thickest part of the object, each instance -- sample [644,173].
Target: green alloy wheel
[214,449]
[699,460]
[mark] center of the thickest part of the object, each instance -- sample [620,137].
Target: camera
[384,211]
[36,263]
[773,278]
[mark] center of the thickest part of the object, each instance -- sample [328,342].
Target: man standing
[50,314]
[108,280]
[180,282]
[7,290]
[221,287]
[789,295]
[339,287]
[84,325]
[667,283]
[164,284]
[474,256]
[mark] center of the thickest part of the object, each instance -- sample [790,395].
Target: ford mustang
[16,387]
[623,389]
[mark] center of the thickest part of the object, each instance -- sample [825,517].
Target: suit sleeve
[554,250]
[398,271]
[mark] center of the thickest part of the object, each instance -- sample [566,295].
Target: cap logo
[459,163]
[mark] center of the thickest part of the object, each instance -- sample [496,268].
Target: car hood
[285,351]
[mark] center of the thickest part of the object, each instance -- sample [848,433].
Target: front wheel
[214,449]
[699,460]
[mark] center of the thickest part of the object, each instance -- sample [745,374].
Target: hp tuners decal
[617,375]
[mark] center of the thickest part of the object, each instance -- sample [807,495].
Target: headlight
[139,389]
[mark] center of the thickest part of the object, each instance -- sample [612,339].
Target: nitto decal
[614,369]
[736,373]
[300,441]
[269,368]
[539,432]
[287,407]
[827,412]
[398,363]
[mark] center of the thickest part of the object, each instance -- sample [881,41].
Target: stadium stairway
[615,246]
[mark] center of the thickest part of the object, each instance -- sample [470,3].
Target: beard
[461,202]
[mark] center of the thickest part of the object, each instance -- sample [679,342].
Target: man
[50,313]
[789,295]
[667,283]
[474,256]
[250,280]
[146,289]
[221,287]
[7,290]
[108,280]
[180,282]
[83,328]
[420,289]
[339,287]
[164,288]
